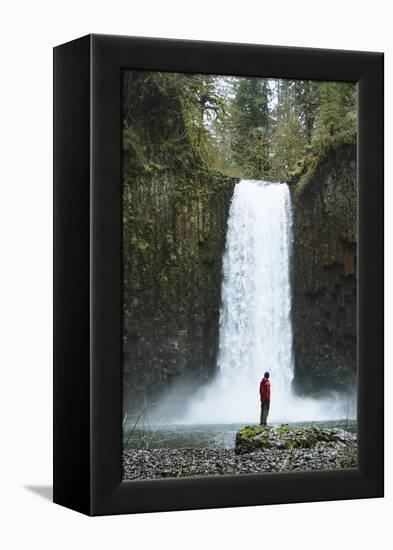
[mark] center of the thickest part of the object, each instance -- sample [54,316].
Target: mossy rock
[252,431]
[284,428]
[258,438]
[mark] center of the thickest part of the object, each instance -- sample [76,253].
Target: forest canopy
[246,127]
[270,128]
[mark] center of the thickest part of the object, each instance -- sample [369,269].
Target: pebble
[174,463]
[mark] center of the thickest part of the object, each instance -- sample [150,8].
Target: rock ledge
[260,438]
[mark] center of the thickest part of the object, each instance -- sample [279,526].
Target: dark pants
[264,412]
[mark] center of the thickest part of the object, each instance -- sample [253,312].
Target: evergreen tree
[289,136]
[261,128]
[336,118]
[250,126]
[306,101]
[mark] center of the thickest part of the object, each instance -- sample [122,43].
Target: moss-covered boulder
[259,438]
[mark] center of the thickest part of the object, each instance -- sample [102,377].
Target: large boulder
[259,438]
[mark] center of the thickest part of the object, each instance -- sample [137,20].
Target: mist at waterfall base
[255,322]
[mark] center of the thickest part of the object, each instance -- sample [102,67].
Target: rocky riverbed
[257,450]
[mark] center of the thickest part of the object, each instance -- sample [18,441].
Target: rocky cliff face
[173,248]
[324,274]
[175,209]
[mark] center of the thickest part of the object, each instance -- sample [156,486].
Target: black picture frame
[87,274]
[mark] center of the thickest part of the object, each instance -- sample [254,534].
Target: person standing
[264,392]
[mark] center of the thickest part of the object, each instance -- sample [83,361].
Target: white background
[29,30]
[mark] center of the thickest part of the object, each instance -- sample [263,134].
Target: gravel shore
[164,463]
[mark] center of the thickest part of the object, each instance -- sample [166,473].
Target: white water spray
[255,316]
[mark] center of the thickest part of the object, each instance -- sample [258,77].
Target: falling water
[255,322]
[255,316]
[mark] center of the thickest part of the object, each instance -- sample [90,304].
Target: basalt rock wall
[175,209]
[324,274]
[173,248]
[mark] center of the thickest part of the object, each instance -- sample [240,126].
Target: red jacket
[264,390]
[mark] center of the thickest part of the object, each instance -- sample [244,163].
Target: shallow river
[200,436]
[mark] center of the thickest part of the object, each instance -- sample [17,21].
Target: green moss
[305,170]
[284,428]
[252,431]
[263,441]
[253,438]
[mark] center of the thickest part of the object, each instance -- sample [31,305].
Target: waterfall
[255,317]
